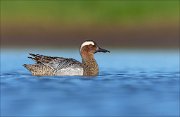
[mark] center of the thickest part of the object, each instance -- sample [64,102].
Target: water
[130,83]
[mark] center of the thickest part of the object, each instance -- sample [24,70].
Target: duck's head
[91,47]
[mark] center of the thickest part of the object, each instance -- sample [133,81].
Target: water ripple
[122,92]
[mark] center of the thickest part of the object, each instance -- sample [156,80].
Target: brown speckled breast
[90,68]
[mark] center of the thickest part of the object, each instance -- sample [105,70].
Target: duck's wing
[55,62]
[41,58]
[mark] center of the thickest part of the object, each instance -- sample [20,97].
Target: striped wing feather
[55,62]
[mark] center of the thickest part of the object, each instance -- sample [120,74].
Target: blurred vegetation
[88,12]
[120,23]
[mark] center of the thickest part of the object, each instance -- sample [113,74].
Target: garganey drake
[59,66]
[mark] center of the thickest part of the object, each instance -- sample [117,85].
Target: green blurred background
[120,24]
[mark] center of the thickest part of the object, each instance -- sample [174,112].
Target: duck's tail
[39,70]
[30,67]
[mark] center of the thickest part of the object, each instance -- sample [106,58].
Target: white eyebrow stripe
[87,43]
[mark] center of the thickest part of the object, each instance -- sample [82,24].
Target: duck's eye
[90,47]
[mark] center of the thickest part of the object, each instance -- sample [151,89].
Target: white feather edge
[87,43]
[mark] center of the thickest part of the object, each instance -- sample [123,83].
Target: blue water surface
[130,83]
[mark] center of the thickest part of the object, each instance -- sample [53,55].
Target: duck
[60,66]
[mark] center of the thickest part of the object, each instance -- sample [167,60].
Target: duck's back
[58,66]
